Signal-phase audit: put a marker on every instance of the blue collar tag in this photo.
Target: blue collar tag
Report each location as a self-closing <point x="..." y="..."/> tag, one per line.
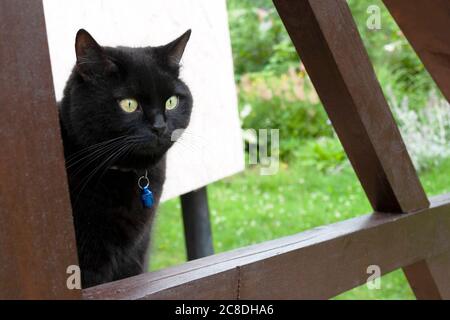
<point x="146" y="194"/>
<point x="147" y="197"/>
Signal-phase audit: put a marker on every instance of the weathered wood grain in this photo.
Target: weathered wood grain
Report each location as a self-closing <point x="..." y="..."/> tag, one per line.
<point x="37" y="241"/>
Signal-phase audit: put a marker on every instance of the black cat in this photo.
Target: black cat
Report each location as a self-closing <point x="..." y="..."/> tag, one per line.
<point x="120" y="109"/>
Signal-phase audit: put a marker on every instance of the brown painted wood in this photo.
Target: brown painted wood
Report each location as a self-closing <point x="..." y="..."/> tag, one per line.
<point x="316" y="264"/>
<point x="327" y="41"/>
<point x="430" y="278"/>
<point x="426" y="25"/>
<point x="37" y="241"/>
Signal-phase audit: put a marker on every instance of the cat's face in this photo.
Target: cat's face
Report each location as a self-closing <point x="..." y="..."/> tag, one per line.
<point x="133" y="95"/>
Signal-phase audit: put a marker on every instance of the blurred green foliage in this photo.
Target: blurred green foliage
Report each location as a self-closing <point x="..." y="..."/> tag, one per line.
<point x="395" y="62"/>
<point x="266" y="65"/>
<point x="258" y="38"/>
<point x="261" y="43"/>
<point x="324" y="154"/>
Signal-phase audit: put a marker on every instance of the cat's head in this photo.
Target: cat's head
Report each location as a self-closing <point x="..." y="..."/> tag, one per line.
<point x="132" y="97"/>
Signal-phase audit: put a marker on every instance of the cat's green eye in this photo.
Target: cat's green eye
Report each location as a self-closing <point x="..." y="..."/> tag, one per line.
<point x="128" y="105"/>
<point x="172" y="103"/>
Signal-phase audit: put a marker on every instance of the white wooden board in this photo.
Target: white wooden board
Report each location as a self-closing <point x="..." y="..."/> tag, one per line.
<point x="211" y="148"/>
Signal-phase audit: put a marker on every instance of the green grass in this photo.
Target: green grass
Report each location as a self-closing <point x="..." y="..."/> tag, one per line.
<point x="249" y="208"/>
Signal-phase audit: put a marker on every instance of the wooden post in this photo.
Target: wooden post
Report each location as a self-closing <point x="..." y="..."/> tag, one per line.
<point x="37" y="240"/>
<point x="327" y="40"/>
<point x="197" y="227"/>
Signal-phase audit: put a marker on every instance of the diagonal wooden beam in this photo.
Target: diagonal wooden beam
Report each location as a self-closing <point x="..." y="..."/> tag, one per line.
<point x="430" y="278"/>
<point x="37" y="239"/>
<point x="327" y="41"/>
<point x="426" y="25"/>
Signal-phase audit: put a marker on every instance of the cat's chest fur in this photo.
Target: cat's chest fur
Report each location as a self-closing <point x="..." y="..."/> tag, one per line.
<point x="111" y="224"/>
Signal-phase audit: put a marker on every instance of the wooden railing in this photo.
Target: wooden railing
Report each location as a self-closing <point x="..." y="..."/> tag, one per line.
<point x="37" y="241"/>
<point x="316" y="264"/>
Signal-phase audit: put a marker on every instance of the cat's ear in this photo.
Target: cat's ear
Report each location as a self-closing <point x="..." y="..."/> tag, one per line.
<point x="91" y="59"/>
<point x="175" y="49"/>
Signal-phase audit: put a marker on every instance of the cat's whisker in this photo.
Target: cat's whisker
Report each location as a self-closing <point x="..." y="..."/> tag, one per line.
<point x="124" y="155"/>
<point x="95" y="145"/>
<point x="131" y="142"/>
<point x="105" y="162"/>
<point x="93" y="158"/>
<point x="188" y="145"/>
<point x="79" y="153"/>
<point x="193" y="139"/>
<point x="192" y="134"/>
<point x="94" y="155"/>
<point x="102" y="151"/>
<point x="183" y="150"/>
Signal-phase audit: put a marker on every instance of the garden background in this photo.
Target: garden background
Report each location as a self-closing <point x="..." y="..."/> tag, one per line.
<point x="315" y="184"/>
